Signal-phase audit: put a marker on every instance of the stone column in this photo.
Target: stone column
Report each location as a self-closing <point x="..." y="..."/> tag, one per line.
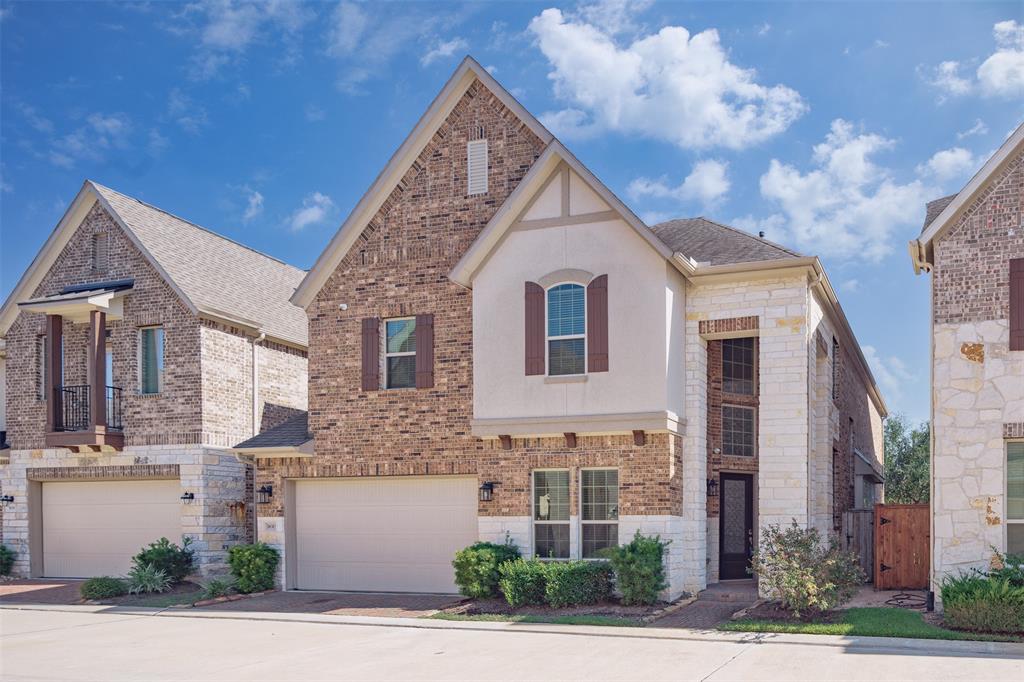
<point x="695" y="460"/>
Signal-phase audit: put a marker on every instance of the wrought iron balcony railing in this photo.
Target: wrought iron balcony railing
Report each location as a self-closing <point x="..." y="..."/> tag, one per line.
<point x="73" y="414"/>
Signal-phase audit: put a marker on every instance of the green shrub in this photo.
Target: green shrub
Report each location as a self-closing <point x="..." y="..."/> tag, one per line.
<point x="476" y="568"/>
<point x="175" y="562"/>
<point x="523" y="581"/>
<point x="253" y="566"/>
<point x="803" y="573"/>
<point x="639" y="569"/>
<point x="104" y="587"/>
<point x="217" y="588"/>
<point x="1009" y="567"/>
<point x="983" y="603"/>
<point x="7" y="556"/>
<point x="570" y="583"/>
<point x="147" y="578"/>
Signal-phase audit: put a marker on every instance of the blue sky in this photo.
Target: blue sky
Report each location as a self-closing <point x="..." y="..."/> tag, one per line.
<point x="826" y="125"/>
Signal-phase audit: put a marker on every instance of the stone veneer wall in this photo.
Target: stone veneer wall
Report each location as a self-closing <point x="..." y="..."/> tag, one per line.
<point x="977" y="382"/>
<point x="215" y="521"/>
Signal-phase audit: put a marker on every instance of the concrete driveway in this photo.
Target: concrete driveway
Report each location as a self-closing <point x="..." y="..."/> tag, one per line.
<point x="120" y="644"/>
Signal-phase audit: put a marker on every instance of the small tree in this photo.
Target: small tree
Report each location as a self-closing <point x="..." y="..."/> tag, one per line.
<point x="802" y="572"/>
<point x="906" y="461"/>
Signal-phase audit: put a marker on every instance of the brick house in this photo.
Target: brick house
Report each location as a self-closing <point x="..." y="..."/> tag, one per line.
<point x="500" y="349"/>
<point x="139" y="348"/>
<point x="972" y="244"/>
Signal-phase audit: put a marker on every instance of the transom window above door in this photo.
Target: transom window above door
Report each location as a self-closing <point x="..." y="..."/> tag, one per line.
<point x="400" y="353"/>
<point x="566" y="327"/>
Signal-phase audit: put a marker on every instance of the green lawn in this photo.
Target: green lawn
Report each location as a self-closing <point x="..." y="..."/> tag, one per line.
<point x="558" y="620"/>
<point x="865" y="622"/>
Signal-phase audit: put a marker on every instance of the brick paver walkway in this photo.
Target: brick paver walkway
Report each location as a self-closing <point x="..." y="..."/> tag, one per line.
<point x="713" y="605"/>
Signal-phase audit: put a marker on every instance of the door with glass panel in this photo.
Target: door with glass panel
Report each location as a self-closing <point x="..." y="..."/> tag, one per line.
<point x="736" y="525"/>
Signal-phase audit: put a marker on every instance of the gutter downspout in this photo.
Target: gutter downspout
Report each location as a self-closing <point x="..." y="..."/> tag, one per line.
<point x="256" y="383"/>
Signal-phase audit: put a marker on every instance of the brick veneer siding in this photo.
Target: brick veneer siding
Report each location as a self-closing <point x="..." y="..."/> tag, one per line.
<point x="399" y="267"/>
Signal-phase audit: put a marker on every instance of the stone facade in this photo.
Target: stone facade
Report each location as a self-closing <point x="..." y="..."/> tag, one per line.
<point x="978" y="383"/>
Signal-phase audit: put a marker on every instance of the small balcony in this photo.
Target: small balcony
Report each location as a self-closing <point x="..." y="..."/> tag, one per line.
<point x="78" y="424"/>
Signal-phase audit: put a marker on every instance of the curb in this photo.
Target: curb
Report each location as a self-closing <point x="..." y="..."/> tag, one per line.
<point x="671" y="608"/>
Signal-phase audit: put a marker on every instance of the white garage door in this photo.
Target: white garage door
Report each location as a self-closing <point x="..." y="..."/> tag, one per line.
<point x="94" y="528"/>
<point x="382" y="534"/>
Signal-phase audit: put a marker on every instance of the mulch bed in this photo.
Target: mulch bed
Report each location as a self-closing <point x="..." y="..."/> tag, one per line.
<point x="475" y="607"/>
<point x="189" y="592"/>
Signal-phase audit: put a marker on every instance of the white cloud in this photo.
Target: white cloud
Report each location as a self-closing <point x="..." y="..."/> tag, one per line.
<point x="764" y="29"/>
<point x="33" y="118"/>
<point x="949" y="164"/>
<point x="846" y="206"/>
<point x="315" y="113"/>
<point x="1000" y="75"/>
<point x="191" y="117"/>
<point x="850" y="285"/>
<point x="442" y="50"/>
<point x="881" y="44"/>
<point x="253" y="203"/>
<point x="706" y="183"/>
<point x="890" y="372"/>
<point x="315" y="209"/>
<point x="90" y="142"/>
<point x="669" y="86"/>
<point x="348" y="23"/>
<point x="613" y="16"/>
<point x="157" y="142"/>
<point x="979" y="128"/>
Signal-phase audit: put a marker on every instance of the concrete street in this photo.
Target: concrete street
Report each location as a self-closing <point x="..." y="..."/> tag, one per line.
<point x="96" y="643"/>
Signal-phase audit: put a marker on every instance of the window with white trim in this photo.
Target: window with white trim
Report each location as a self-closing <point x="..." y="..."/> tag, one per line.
<point x="476" y="167"/>
<point x="151" y="360"/>
<point x="400" y="353"/>
<point x="599" y="518"/>
<point x="1015" y="497"/>
<point x="551" y="514"/>
<point x="738" y="429"/>
<point x="566" y="330"/>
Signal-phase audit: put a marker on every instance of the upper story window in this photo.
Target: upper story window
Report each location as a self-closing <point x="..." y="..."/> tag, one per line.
<point x="100" y="252"/>
<point x="151" y="360"/>
<point x="566" y="321"/>
<point x="400" y="353"/>
<point x="738" y="366"/>
<point x="476" y="167"/>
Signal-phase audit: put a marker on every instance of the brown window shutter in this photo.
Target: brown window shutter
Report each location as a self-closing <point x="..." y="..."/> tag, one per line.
<point x="534" y="328"/>
<point x="424" y="351"/>
<point x="1017" y="304"/>
<point x="597" y="325"/>
<point x="371" y="353"/>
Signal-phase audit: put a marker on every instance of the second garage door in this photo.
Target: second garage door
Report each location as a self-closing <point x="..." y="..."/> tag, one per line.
<point x="382" y="534"/>
<point x="94" y="528"/>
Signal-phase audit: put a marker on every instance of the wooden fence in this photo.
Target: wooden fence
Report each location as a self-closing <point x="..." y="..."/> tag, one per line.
<point x="858" y="535"/>
<point x="902" y="546"/>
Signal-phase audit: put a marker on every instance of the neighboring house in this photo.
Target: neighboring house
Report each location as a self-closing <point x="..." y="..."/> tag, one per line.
<point x="500" y="349"/>
<point x="973" y="246"/>
<point x="139" y="348"/>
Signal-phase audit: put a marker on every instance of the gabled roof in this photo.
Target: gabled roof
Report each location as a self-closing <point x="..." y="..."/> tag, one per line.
<point x="706" y="241"/>
<point x="292" y="432"/>
<point x="467" y="72"/>
<point x="934" y="208"/>
<point x="213" y="275"/>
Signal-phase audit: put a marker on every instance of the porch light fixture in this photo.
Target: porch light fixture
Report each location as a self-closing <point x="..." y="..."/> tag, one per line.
<point x="487" y="490"/>
<point x="187" y="498"/>
<point x="712" y="488"/>
<point x="264" y="494"/>
<point x="6" y="499"/>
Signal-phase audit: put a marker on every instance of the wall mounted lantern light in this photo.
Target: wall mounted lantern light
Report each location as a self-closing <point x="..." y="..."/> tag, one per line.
<point x="712" y="488"/>
<point x="487" y="491"/>
<point x="6" y="499"/>
<point x="264" y="494"/>
<point x="187" y="498"/>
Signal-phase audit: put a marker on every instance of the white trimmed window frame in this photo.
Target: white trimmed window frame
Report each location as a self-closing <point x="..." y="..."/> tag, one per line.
<point x="564" y="337"/>
<point x="403" y="354"/>
<point x="583" y="522"/>
<point x="1006" y="495"/>
<point x="534" y="521"/>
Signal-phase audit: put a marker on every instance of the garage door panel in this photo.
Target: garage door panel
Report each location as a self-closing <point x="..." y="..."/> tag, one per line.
<point x="95" y="527"/>
<point x="383" y="534"/>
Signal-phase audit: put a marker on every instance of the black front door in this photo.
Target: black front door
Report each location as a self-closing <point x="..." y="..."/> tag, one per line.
<point x="736" y="525"/>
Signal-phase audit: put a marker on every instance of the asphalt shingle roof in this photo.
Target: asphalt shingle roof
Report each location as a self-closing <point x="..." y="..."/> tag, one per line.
<point x="706" y="241"/>
<point x="292" y="432"/>
<point x="934" y="208"/>
<point x="214" y="272"/>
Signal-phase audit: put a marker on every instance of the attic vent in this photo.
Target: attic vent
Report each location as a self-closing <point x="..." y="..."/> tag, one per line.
<point x="100" y="252"/>
<point x="476" y="154"/>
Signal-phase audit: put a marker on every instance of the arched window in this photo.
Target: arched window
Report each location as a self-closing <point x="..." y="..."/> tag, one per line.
<point x="566" y="326"/>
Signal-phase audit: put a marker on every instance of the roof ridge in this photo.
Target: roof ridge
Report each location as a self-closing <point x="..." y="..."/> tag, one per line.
<point x="751" y="236"/>
<point x="197" y="226"/>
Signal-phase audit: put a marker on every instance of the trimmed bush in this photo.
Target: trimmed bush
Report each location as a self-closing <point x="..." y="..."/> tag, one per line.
<point x="7" y="556"/>
<point x="175" y="562"/>
<point x="983" y="603"/>
<point x="217" y="588"/>
<point x="523" y="581"/>
<point x="476" y="568"/>
<point x="104" y="587"/>
<point x="570" y="583"/>
<point x="148" y="578"/>
<point x="639" y="569"/>
<point x="253" y="566"/>
<point x="803" y="573"/>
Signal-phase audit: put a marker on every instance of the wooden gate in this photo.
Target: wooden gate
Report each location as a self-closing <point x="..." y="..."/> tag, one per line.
<point x="858" y="536"/>
<point x="902" y="542"/>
